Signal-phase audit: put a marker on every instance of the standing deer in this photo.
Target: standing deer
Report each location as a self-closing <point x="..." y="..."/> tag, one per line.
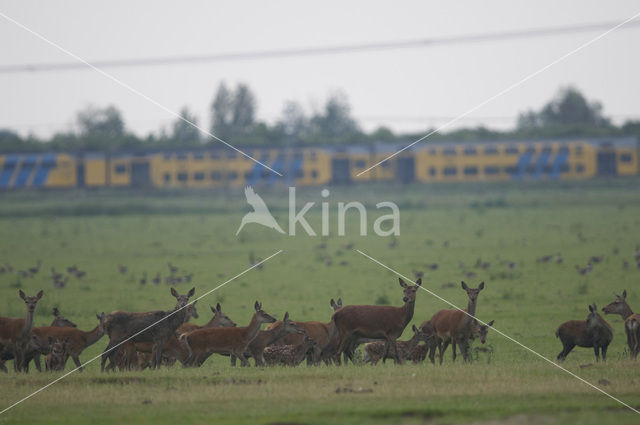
<point x="289" y="355"/>
<point x="631" y="321"/>
<point x="453" y="326"/>
<point x="16" y="333"/>
<point x="376" y="321"/>
<point x="57" y="358"/>
<point x="202" y="343"/>
<point x="78" y="340"/>
<point x="156" y="326"/>
<point x="373" y="351"/>
<point x="269" y="336"/>
<point x="594" y="332"/>
<point x="35" y="347"/>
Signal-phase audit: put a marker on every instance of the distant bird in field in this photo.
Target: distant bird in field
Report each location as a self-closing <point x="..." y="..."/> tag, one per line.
<point x="596" y="259"/>
<point x="156" y="280"/>
<point x="172" y="269"/>
<point x="260" y="213"/>
<point x="393" y="243"/>
<point x="35" y="269"/>
<point x="625" y="264"/>
<point x="558" y="258"/>
<point x="418" y="274"/>
<point x="143" y="279"/>
<point x="122" y="269"/>
<point x="586" y="270"/>
<point x="636" y="253"/>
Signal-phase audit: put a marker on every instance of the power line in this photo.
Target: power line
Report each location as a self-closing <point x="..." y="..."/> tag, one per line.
<point x="321" y="50"/>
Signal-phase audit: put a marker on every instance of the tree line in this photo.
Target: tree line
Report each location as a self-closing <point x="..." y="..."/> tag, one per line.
<point x="233" y="119"/>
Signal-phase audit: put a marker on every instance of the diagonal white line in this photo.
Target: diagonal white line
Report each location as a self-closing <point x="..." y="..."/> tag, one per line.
<point x="505" y="335"/>
<point x="504" y="91"/>
<point x="136" y="334"/>
<point x="135" y="91"/>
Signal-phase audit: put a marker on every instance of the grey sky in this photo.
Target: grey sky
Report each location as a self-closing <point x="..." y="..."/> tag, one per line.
<point x="387" y="87"/>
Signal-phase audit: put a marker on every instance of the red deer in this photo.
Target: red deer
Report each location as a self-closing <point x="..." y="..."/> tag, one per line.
<point x="373" y="351"/>
<point x="156" y="326"/>
<point x="219" y="320"/>
<point x="60" y="320"/>
<point x="78" y="340"/>
<point x="453" y="326"/>
<point x="268" y="337"/>
<point x="289" y="355"/>
<point x="376" y="322"/>
<point x="594" y="332"/>
<point x="631" y="321"/>
<point x="57" y="358"/>
<point x="202" y="343"/>
<point x="16" y="333"/>
<point x="35" y="347"/>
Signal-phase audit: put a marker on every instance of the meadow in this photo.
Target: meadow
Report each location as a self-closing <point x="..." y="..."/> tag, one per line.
<point x="453" y="226"/>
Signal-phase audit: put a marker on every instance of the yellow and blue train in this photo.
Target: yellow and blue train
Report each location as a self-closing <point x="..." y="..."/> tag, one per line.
<point x="314" y="166"/>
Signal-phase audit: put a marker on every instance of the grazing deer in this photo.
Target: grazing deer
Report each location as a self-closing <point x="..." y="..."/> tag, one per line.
<point x="202" y="343"/>
<point x="373" y="351"/>
<point x="268" y="337"/>
<point x="289" y="355"/>
<point x="35" y="347"/>
<point x="60" y="320"/>
<point x="156" y="326"/>
<point x="376" y="321"/>
<point x="453" y="326"/>
<point x="57" y="358"/>
<point x="594" y="332"/>
<point x="17" y="332"/>
<point x="631" y="321"/>
<point x="78" y="340"/>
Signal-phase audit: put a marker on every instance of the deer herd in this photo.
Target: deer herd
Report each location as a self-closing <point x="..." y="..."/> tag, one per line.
<point x="155" y="338"/>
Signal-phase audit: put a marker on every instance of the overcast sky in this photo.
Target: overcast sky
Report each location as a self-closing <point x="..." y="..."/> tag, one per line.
<point x="405" y="89"/>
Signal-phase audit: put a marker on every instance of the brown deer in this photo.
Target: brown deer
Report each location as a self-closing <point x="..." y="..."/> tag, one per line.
<point x="594" y="332"/>
<point x="219" y="320"/>
<point x="16" y="333"/>
<point x="35" y="347"/>
<point x="268" y="337"/>
<point x="57" y="358"/>
<point x="78" y="340"/>
<point x="60" y="320"/>
<point x="156" y="326"/>
<point x="202" y="343"/>
<point x="373" y="351"/>
<point x="289" y="355"/>
<point x="376" y="321"/>
<point x="631" y="321"/>
<point x="453" y="325"/>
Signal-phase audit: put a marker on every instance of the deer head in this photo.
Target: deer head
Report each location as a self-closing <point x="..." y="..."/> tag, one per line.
<point x="420" y="334"/>
<point x="261" y="315"/>
<point x="618" y="306"/>
<point x="221" y="319"/>
<point x="30" y="301"/>
<point x="473" y="292"/>
<point x="290" y="327"/>
<point x="481" y="331"/>
<point x="409" y="295"/>
<point x="182" y="299"/>
<point x="593" y="319"/>
<point x="192" y="311"/>
<point x="335" y="305"/>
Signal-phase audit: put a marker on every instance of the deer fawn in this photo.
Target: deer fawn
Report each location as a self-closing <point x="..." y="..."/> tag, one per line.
<point x="57" y="357"/>
<point x="289" y="355"/>
<point x="16" y="333"/>
<point x="156" y="326"/>
<point x="631" y="321"/>
<point x="376" y="322"/>
<point x="373" y="351"/>
<point x="453" y="326"/>
<point x="594" y="332"/>
<point x="202" y="343"/>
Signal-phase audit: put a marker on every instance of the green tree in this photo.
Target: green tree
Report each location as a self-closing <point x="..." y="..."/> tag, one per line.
<point x="183" y="133"/>
<point x="233" y="112"/>
<point x="335" y="123"/>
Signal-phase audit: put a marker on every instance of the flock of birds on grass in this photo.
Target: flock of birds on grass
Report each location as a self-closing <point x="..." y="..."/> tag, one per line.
<point x="152" y="339"/>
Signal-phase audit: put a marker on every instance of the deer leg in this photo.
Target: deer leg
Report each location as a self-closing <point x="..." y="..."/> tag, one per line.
<point x="567" y="347"/>
<point x="106" y="354"/>
<point x="243" y="360"/>
<point x="453" y="347"/>
<point x="442" y="346"/>
<point x="157" y="361"/>
<point x="385" y="352"/>
<point x="76" y="360"/>
<point x="232" y="360"/>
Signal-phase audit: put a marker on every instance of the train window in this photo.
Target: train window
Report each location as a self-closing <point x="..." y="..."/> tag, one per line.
<point x="231" y="155"/>
<point x="470" y="170"/>
<point x="313" y="155"/>
<point x="215" y="155"/>
<point x="625" y="157"/>
<point x="247" y="175"/>
<point x="216" y="175"/>
<point x="511" y="150"/>
<point x="198" y="156"/>
<point x="579" y="168"/>
<point x="182" y="156"/>
<point x="432" y="171"/>
<point x="167" y="156"/>
<point x="183" y="177"/>
<point x="530" y="169"/>
<point x="491" y="170"/>
<point x="314" y="174"/>
<point x="546" y="150"/>
<point x="386" y="164"/>
<point x="530" y="149"/>
<point x="470" y="151"/>
<point x="547" y="169"/>
<point x="511" y="169"/>
<point x="578" y="150"/>
<point x="265" y="174"/>
<point x="198" y="176"/>
<point x="299" y="173"/>
<point x="450" y="171"/>
<point x="167" y="177"/>
<point x="564" y="168"/>
<point x="449" y="151"/>
<point x="432" y="152"/>
<point x="297" y="157"/>
<point x="120" y="168"/>
<point x="360" y="163"/>
<point x="563" y="150"/>
<point x="490" y="150"/>
<point x="233" y="175"/>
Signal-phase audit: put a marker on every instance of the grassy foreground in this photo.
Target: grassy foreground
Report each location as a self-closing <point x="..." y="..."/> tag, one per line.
<point x="98" y="231"/>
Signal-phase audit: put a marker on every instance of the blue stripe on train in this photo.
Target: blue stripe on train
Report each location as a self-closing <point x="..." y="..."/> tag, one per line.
<point x="278" y="166"/>
<point x="541" y="162"/>
<point x="42" y="172"/>
<point x="25" y="171"/>
<point x="558" y="162"/>
<point x="294" y="167"/>
<point x="523" y="162"/>
<point x="8" y="169"/>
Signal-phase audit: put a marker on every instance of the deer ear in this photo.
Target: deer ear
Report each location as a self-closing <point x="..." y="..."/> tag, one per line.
<point x="481" y="287"/>
<point x="402" y="283"/>
<point x="590" y="308"/>
<point x="624" y="294"/>
<point x="415" y="330"/>
<point x="218" y="307"/>
<point x="22" y="295"/>
<point x="490" y="323"/>
<point x="55" y="311"/>
<point x="40" y="294"/>
<point x="256" y="306"/>
<point x="419" y="282"/>
<point x="191" y="292"/>
<point x="339" y="302"/>
<point x="174" y="293"/>
<point x="464" y="285"/>
<point x="332" y="303"/>
<point x="286" y="317"/>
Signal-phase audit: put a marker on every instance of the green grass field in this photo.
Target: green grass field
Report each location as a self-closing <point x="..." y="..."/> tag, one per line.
<point x="439" y="224"/>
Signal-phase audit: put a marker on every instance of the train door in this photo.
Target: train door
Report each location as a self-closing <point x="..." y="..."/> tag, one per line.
<point x="140" y="174"/>
<point x="607" y="163"/>
<point x="406" y="169"/>
<point x="80" y="171"/>
<point x="340" y="171"/>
